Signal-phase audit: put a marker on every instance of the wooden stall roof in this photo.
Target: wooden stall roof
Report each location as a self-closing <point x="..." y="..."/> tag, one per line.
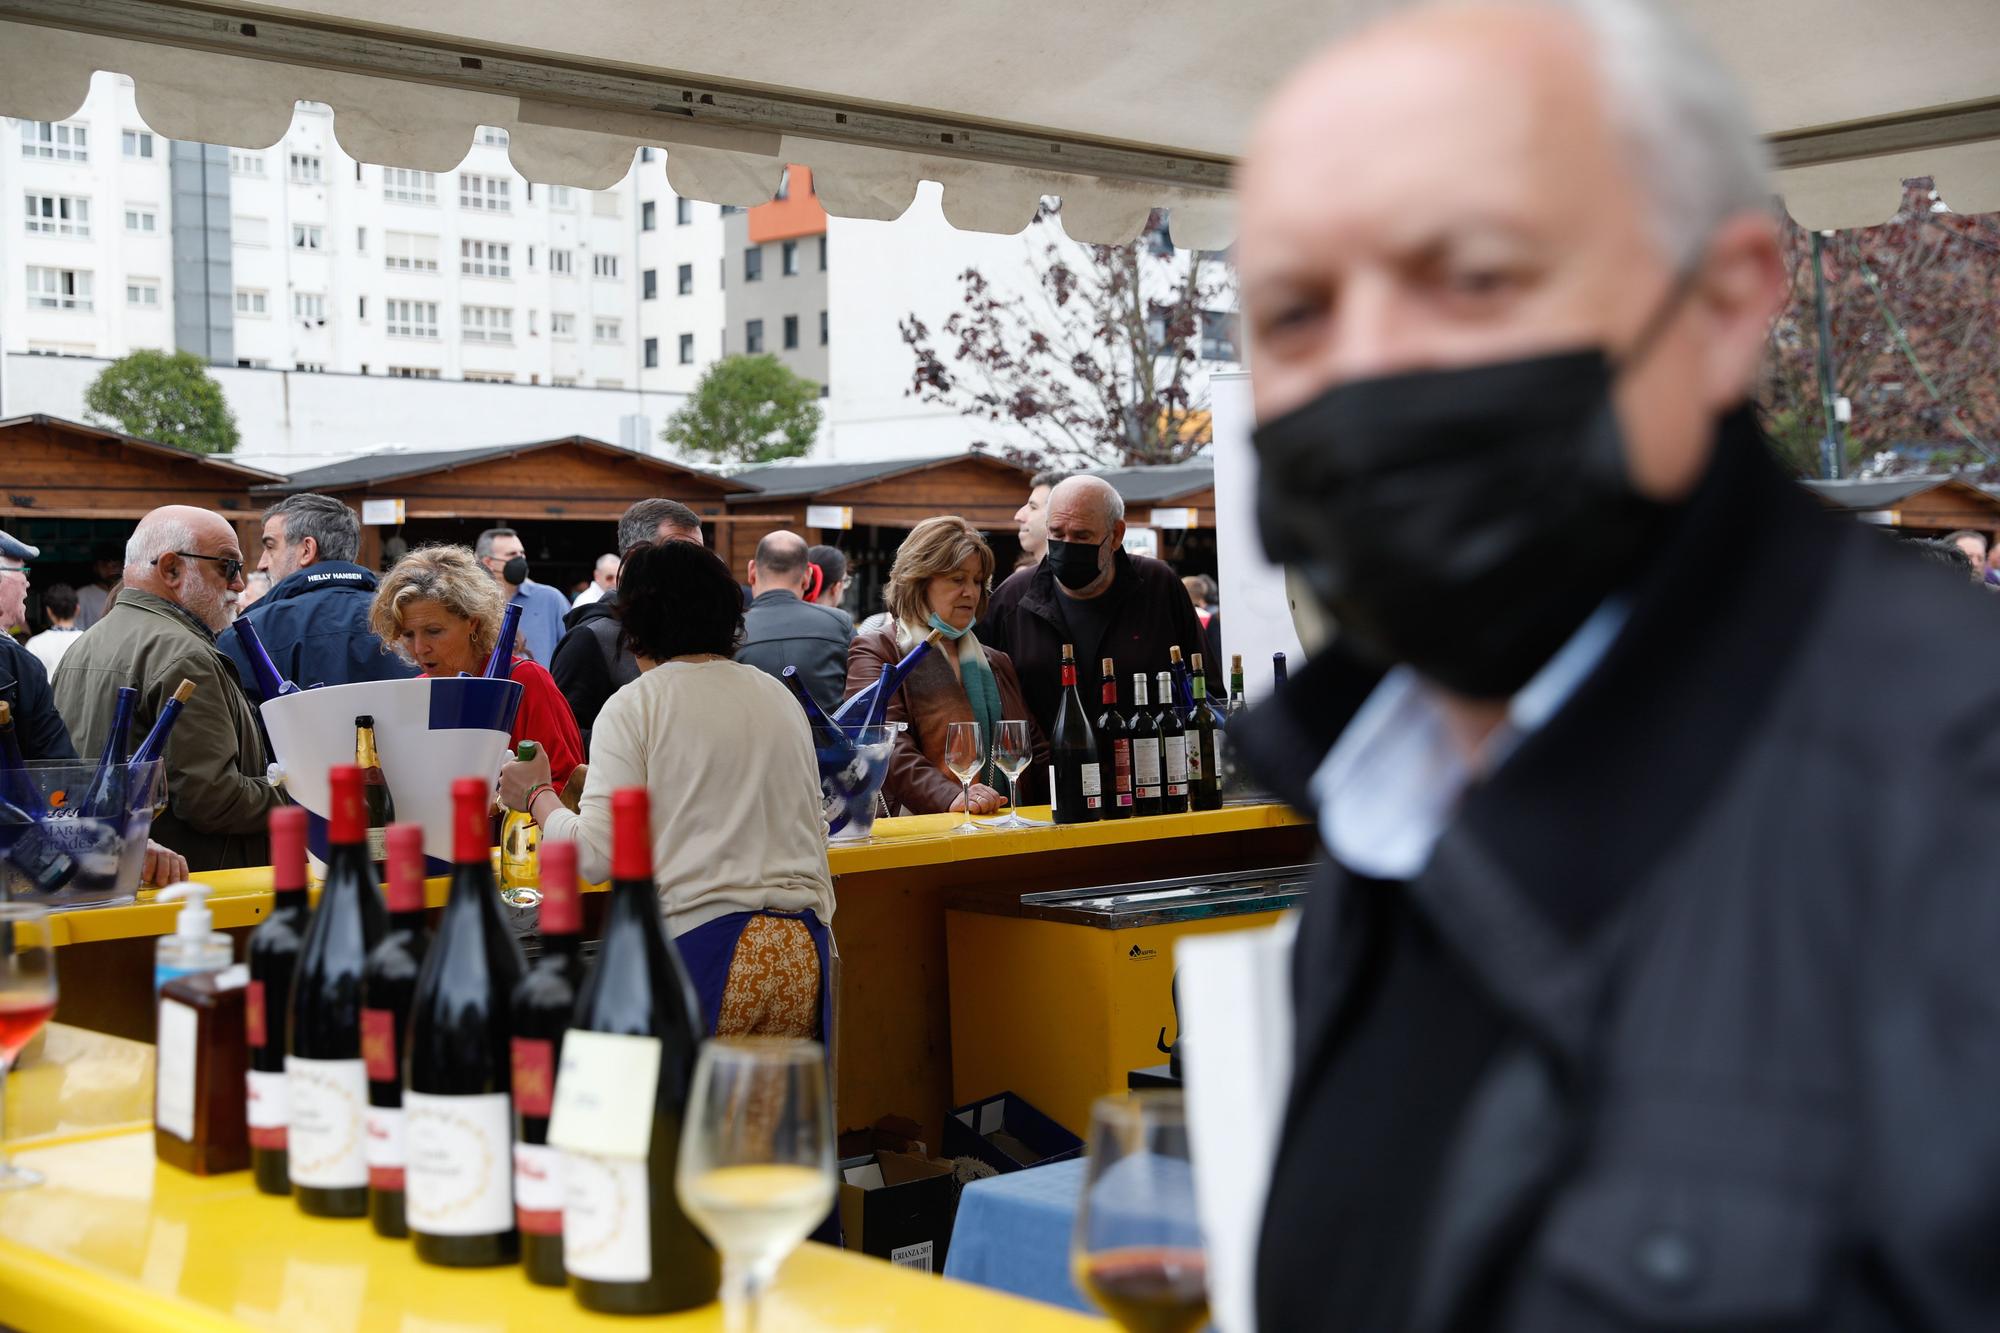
<point x="1189" y="485"/>
<point x="55" y="468"/>
<point x="1921" y="503"/>
<point x="891" y="494"/>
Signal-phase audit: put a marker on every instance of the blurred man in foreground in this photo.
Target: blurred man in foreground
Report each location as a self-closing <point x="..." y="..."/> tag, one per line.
<point x="1651" y="980"/>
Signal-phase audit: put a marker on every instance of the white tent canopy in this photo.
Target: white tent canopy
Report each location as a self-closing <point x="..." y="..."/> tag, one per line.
<point x="1115" y="106"/>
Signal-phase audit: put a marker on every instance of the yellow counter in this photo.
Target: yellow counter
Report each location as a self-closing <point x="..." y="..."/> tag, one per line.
<point x="115" y="1241"/>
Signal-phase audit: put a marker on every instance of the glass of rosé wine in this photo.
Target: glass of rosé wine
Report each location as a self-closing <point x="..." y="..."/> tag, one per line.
<point x="27" y="998"/>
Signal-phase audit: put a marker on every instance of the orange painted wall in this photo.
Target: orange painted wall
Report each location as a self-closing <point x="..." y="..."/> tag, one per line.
<point x="790" y="218"/>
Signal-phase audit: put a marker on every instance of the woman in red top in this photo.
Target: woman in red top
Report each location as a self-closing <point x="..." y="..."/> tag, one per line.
<point x="442" y="610"/>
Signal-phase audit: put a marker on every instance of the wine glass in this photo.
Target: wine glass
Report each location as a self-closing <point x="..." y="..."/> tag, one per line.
<point x="756" y="1161"/>
<point x="1137" y="1248"/>
<point x="27" y="998"/>
<point x="964" y="756"/>
<point x="1012" y="750"/>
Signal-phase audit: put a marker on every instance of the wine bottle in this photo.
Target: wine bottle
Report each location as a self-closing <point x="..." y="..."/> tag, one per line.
<point x="1145" y="735"/>
<point x="500" y="666"/>
<point x="1277" y="671"/>
<point x="628" y="1247"/>
<point x="375" y="797"/>
<point x="1114" y="749"/>
<point x="520" y="844"/>
<point x="541" y="1007"/>
<point x="885" y="693"/>
<point x="1075" y="788"/>
<point x="105" y="797"/>
<point x="155" y="743"/>
<point x="1204" y="748"/>
<point x="273" y="954"/>
<point x="387" y="988"/>
<point x="1173" y="750"/>
<point x="270" y="684"/>
<point x="830" y="739"/>
<point x="16" y="787"/>
<point x="856" y="710"/>
<point x="1236" y="703"/>
<point x="1183" y="691"/>
<point x="459" y="1185"/>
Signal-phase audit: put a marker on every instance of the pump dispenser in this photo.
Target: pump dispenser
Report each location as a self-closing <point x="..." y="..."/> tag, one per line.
<point x="195" y="945"/>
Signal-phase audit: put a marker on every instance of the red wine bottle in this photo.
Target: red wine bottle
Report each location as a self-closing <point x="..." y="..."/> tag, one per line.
<point x="1173" y="750"/>
<point x="1145" y="733"/>
<point x="1075" y="788"/>
<point x="326" y="1081"/>
<point x="647" y="1259"/>
<point x="1114" y="749"/>
<point x="542" y="1006"/>
<point x="1203" y="750"/>
<point x="387" y="988"/>
<point x="273" y="955"/>
<point x="458" y="1117"/>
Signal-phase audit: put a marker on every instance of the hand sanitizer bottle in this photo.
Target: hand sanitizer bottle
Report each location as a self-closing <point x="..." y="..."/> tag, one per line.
<point x="195" y="945"/>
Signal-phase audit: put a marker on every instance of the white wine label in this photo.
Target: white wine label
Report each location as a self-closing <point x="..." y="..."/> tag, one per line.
<point x="264" y="1094"/>
<point x="378" y="844"/>
<point x="606" y="1086"/>
<point x="538" y="1195"/>
<point x="328" y="1143"/>
<point x="1146" y="767"/>
<point x="1093" y="788"/>
<point x="1175" y="748"/>
<point x="607" y="1227"/>
<point x="916" y="1256"/>
<point x="173" y="1076"/>
<point x="387" y="1151"/>
<point x="460" y="1178"/>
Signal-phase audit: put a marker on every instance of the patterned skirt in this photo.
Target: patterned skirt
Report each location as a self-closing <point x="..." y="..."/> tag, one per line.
<point x="760" y="974"/>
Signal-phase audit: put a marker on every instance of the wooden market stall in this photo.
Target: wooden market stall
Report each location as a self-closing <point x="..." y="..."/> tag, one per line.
<point x="1922" y="506"/>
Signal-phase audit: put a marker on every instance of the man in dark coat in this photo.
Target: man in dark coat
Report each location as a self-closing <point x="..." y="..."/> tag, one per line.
<point x="314" y="621"/>
<point x="782" y="629"/>
<point x="1089" y="592"/>
<point x="1650" y="980"/>
<point x="24" y="683"/>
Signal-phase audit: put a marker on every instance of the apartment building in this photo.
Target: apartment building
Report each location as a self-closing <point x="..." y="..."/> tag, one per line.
<point x="775" y="260"/>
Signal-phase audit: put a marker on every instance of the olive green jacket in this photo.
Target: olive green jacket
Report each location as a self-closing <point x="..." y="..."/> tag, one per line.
<point x="218" y="799"/>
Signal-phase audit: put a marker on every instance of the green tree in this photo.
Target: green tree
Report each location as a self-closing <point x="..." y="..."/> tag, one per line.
<point x="747" y="409"/>
<point x="165" y="396"/>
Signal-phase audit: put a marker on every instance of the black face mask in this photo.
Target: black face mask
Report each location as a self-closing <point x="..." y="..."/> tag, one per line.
<point x="515" y="571"/>
<point x="1074" y="563"/>
<point x="1467" y="521"/>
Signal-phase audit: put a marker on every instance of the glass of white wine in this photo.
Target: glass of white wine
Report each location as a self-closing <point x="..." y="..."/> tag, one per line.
<point x="1013" y="748"/>
<point x="756" y="1162"/>
<point x="964" y="755"/>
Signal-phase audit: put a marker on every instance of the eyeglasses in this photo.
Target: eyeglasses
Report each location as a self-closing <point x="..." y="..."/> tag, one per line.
<point x="232" y="568"/>
<point x="22" y="570"/>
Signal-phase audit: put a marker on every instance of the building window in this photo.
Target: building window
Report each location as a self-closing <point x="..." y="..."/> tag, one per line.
<point x="409" y="252"/>
<point x="361" y="307"/>
<point x="791" y="257"/>
<point x="687" y="349"/>
<point x="252" y="301"/>
<point x="784" y="184"/>
<point x="652" y="353"/>
<point x="683" y="212"/>
<point x="649" y="284"/>
<point x="559" y="262"/>
<point x="247" y="363"/>
<point x="56" y="140"/>
<point x="607" y="331"/>
<point x="142" y="291"/>
<point x="403" y="186"/>
<point x="486" y="324"/>
<point x="138" y="144"/>
<point x="608" y="384"/>
<point x="310" y="367"/>
<point x="411" y="373"/>
<point x="491" y="194"/>
<point x="562" y="326"/>
<point x="563" y="381"/>
<point x="822" y="254"/>
<point x="753" y="264"/>
<point x="753" y="336"/>
<point x="605" y="204"/>
<point x="246" y="164"/>
<point x="492" y="137"/>
<point x="604" y="266"/>
<point x="684" y="279"/>
<point x="791" y="332"/>
<point x="361" y="240"/>
<point x="143" y="220"/>
<point x="489" y="377"/>
<point x="306" y="169"/>
<point x="309" y="306"/>
<point x="485" y="259"/>
<point x="822" y="328"/>
<point x="645" y="155"/>
<point x="59" y="214"/>
<point x="1218" y="335"/>
<point x="648" y="214"/>
<point x="307" y="237"/>
<point x="250" y="231"/>
<point x="412" y="319"/>
<point x="561" y="196"/>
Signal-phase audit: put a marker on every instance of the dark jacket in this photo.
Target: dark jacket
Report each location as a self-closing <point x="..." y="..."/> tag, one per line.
<point x="590" y="663"/>
<point x="24" y="688"/>
<point x="1150" y="613"/>
<point x="1735" y="904"/>
<point x="314" y="624"/>
<point x="779" y="631"/>
<point x="218" y="798"/>
<point x="930" y="700"/>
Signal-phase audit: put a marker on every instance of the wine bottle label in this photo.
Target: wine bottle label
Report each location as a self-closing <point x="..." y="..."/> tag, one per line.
<point x="387" y="1155"/>
<point x="1146" y="768"/>
<point x="460" y="1177"/>
<point x="607" y="1225"/>
<point x="378" y="844"/>
<point x="1121" y="764"/>
<point x="173" y="1074"/>
<point x="606" y="1089"/>
<point x="1174" y="753"/>
<point x="1093" y="788"/>
<point x="328" y="1141"/>
<point x="538" y="1189"/>
<point x="1055" y="790"/>
<point x="534" y="1063"/>
<point x="265" y="1107"/>
<point x="253" y="1015"/>
<point x="378" y="1045"/>
<point x="1192" y="748"/>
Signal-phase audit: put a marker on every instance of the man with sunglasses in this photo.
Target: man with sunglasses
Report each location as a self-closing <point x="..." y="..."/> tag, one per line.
<point x="183" y="574"/>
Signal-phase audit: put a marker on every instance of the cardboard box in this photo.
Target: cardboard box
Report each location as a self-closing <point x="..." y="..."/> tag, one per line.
<point x="1007" y="1134"/>
<point x="898" y="1207"/>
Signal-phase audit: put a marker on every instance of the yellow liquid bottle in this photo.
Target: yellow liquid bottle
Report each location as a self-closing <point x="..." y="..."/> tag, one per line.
<point x="520" y="848"/>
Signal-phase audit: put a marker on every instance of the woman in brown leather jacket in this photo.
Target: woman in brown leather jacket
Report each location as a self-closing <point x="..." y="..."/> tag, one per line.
<point x="939" y="582"/>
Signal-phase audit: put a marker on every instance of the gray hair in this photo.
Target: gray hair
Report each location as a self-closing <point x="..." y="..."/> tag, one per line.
<point x="641" y="523"/>
<point x="151" y="540"/>
<point x="484" y="546"/>
<point x="334" y="528"/>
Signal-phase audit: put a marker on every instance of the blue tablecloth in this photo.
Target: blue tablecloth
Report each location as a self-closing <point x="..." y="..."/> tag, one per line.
<point x="1013" y="1233"/>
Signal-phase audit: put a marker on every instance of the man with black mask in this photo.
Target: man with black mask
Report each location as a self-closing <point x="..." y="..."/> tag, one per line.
<point x="1089" y="592"/>
<point x="505" y="557"/>
<point x="1650" y="980"/>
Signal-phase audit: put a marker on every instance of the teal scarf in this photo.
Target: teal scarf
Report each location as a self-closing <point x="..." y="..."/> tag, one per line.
<point x="981" y="690"/>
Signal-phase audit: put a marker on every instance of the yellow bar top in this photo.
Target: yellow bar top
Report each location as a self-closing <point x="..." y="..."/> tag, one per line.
<point x="242" y="897"/>
<point x="117" y="1241"/>
<point x="71" y="1079"/>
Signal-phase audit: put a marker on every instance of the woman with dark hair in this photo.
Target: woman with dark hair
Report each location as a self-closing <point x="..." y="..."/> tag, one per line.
<point x="739" y="849"/>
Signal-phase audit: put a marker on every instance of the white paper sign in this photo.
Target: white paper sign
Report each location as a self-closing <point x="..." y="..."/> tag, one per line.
<point x="829" y="516"/>
<point x="1142" y="541"/>
<point x="1180" y="519"/>
<point x="173" y="1078"/>
<point x="606" y="1087"/>
<point x="381" y="512"/>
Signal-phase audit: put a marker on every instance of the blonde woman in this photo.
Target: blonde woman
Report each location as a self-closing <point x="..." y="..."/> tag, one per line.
<point x="939" y="582"/>
<point x="439" y="608"/>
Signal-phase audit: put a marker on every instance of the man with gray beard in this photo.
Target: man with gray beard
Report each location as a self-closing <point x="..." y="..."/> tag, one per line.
<point x="183" y="575"/>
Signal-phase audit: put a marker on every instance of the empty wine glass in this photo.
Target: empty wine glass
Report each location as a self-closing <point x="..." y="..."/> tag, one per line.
<point x="27" y="998"/>
<point x="1137" y="1249"/>
<point x="964" y="756"/>
<point x="1012" y="750"/>
<point x="756" y="1160"/>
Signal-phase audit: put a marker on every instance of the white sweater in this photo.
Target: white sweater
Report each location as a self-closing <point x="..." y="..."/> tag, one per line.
<point x="727" y="755"/>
